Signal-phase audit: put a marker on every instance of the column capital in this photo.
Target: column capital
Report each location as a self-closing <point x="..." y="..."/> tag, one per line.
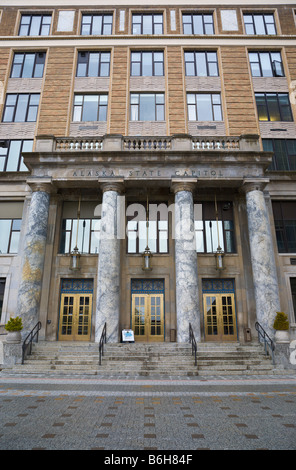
<point x="114" y="184"/>
<point x="41" y="184"/>
<point x="253" y="185"/>
<point x="188" y="184"/>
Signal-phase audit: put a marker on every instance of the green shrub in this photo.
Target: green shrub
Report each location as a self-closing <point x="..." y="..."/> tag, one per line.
<point x="14" y="324"/>
<point x="281" y="321"/>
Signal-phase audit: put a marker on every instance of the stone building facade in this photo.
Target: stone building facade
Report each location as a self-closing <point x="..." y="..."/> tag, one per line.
<point x="169" y="127"/>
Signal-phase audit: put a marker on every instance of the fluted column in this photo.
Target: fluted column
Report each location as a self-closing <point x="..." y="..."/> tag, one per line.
<point x="187" y="303"/>
<point x="108" y="280"/>
<point x="262" y="257"/>
<point x="33" y="256"/>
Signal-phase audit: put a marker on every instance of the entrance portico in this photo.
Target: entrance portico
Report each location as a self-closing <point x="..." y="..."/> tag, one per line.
<point x="178" y="173"/>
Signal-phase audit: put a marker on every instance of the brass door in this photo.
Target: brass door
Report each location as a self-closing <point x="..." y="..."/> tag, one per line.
<point x="219" y="317"/>
<point x="148" y="317"/>
<point x="75" y="317"/>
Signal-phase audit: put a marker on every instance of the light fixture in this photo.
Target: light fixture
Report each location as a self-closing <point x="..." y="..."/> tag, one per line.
<point x="147" y="255"/>
<point x="219" y="254"/>
<point x="75" y="254"/>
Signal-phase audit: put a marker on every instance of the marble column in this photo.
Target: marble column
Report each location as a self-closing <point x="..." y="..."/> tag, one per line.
<point x="33" y="256"/>
<point x="262" y="257"/>
<point x="108" y="280"/>
<point x="187" y="298"/>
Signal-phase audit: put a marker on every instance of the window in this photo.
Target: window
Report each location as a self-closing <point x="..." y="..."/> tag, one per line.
<point x="204" y="107"/>
<point x="87" y="233"/>
<point x="266" y="64"/>
<point x="273" y="107"/>
<point x="285" y="225"/>
<point x="93" y="64"/>
<point x="28" y="65"/>
<point x="11" y="154"/>
<point x="147" y="107"/>
<point x="207" y="230"/>
<point x="259" y="24"/>
<point x="147" y="23"/>
<point x="96" y="24"/>
<point x="147" y="64"/>
<point x="35" y="25"/>
<point x="21" y="107"/>
<point x="201" y="64"/>
<point x="284" y="157"/>
<point x="198" y="23"/>
<point x="90" y="108"/>
<point x="157" y="229"/>
<point x="10" y="234"/>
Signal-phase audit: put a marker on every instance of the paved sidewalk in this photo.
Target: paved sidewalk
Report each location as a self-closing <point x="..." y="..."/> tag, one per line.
<point x="153" y="414"/>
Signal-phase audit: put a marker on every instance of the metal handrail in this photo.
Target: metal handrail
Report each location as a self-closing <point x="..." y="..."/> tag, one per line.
<point x="192" y="340"/>
<point x="266" y="339"/>
<point x="103" y="340"/>
<point x="29" y="340"/>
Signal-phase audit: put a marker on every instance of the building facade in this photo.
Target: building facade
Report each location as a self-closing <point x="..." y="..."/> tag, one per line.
<point x="147" y="168"/>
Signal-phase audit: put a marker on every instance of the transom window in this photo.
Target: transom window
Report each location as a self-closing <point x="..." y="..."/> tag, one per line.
<point x="11" y="154"/>
<point x="284" y="153"/>
<point x="201" y="64"/>
<point x="273" y="107"/>
<point x="208" y="233"/>
<point x="266" y="64"/>
<point x="35" y="25"/>
<point x="28" y="65"/>
<point x="147" y="63"/>
<point x="157" y="228"/>
<point x="147" y="23"/>
<point x="21" y="107"/>
<point x="284" y="213"/>
<point x="96" y="24"/>
<point x="204" y="107"/>
<point x="256" y="23"/>
<point x="90" y="108"/>
<point x="147" y="107"/>
<point x="198" y="23"/>
<point x="93" y="64"/>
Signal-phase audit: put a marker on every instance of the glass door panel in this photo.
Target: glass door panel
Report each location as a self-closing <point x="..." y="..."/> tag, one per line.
<point x="219" y="317"/>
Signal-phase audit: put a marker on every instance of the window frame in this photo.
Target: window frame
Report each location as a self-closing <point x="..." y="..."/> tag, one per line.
<point x="140" y="62"/>
<point x="202" y="15"/>
<point x="272" y="67"/>
<point x="32" y="15"/>
<point x="99" y="108"/>
<point x="287" y="157"/>
<point x="20" y="159"/>
<point x="280" y="107"/>
<point x="71" y="242"/>
<point x="252" y="14"/>
<point x="154" y="23"/>
<point x="29" y="107"/>
<point x="137" y="106"/>
<point x="209" y="207"/>
<point x="103" y="24"/>
<point x="207" y="63"/>
<point x="213" y="105"/>
<point x="24" y="54"/>
<point x="88" y="53"/>
<point x="10" y="236"/>
<point x="281" y="224"/>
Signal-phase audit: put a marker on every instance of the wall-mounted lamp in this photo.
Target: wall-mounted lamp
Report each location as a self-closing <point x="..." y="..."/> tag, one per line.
<point x="75" y="254"/>
<point x="147" y="255"/>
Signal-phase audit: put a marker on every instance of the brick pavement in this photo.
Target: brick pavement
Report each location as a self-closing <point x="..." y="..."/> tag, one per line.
<point x="152" y="414"/>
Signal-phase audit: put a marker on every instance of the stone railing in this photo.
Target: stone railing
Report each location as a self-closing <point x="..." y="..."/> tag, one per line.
<point x="182" y="142"/>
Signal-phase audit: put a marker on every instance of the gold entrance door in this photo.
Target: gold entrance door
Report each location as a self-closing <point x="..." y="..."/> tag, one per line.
<point x="75" y="317"/>
<point x="219" y="316"/>
<point x="148" y="317"/>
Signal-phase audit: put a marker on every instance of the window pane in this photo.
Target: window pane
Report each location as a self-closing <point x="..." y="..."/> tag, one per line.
<point x="197" y="24"/>
<point x="97" y="25"/>
<point x="147" y="24"/>
<point x="93" y="68"/>
<point x="90" y="108"/>
<point x="201" y="66"/>
<point x="147" y="107"/>
<point x="21" y="108"/>
<point x="147" y="64"/>
<point x="261" y="107"/>
<point x="13" y="156"/>
<point x="14" y="242"/>
<point x="204" y="107"/>
<point x="35" y="25"/>
<point x="5" y="226"/>
<point x="273" y="107"/>
<point x="259" y="24"/>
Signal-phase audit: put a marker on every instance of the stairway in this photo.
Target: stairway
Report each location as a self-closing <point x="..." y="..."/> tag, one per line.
<point x="145" y="359"/>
